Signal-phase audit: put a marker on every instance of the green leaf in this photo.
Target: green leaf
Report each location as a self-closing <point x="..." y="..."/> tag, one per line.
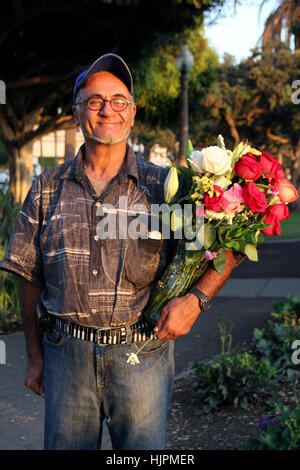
<point x="219" y="262"/>
<point x="237" y="152"/>
<point x="233" y="245"/>
<point x="187" y="173"/>
<point x="176" y="220"/>
<point x="209" y="235"/>
<point x="188" y="150"/>
<point x="192" y="256"/>
<point x="258" y="334"/>
<point x="251" y="252"/>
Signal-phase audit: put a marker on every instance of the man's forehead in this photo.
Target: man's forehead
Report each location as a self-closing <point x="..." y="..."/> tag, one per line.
<point x="103" y="82"/>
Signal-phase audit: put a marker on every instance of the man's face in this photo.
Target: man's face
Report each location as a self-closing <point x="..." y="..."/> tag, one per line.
<point x="105" y="126"/>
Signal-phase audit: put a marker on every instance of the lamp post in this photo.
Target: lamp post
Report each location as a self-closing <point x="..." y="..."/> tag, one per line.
<point x="184" y="62"/>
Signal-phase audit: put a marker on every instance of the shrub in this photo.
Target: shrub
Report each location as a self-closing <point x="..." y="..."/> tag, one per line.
<point x="279" y="430"/>
<point x="10" y="285"/>
<point x="275" y="344"/>
<point x="234" y="380"/>
<point x="287" y="311"/>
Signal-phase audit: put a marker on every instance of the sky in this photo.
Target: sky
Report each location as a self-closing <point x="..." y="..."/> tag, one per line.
<point x="238" y="32"/>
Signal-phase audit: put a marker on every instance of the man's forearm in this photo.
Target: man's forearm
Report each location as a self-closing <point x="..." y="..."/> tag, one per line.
<point x="212" y="281"/>
<point x="30" y="298"/>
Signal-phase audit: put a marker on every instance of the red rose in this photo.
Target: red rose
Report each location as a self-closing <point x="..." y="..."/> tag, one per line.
<point x="280" y="210"/>
<point x="273" y="216"/>
<point x="270" y="166"/>
<point x="275" y="228"/>
<point x="213" y="203"/>
<point x="254" y="198"/>
<point x="248" y="167"/>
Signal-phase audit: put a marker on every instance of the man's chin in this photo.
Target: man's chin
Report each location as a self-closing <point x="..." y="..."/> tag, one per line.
<point x="107" y="140"/>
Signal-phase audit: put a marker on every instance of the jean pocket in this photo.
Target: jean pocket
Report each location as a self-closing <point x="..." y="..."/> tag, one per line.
<point x="152" y="347"/>
<point x="56" y="338"/>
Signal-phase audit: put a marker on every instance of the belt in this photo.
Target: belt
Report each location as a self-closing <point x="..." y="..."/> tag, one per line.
<point x="104" y="336"/>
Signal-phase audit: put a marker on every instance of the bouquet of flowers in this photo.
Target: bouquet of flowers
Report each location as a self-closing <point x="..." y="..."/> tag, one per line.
<point x="235" y="196"/>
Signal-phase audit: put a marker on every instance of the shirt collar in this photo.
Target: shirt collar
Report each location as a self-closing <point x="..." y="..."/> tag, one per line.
<point x="75" y="167"/>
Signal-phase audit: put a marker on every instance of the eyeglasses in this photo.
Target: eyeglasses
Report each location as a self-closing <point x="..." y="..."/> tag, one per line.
<point x="95" y="104"/>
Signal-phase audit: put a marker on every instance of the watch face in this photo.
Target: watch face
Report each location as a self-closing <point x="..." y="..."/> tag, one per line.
<point x="205" y="303"/>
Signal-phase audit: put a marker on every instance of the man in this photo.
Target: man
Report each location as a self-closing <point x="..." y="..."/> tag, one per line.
<point x="89" y="291"/>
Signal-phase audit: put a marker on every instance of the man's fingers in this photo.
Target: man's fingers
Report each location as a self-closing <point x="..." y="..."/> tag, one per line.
<point x="37" y="386"/>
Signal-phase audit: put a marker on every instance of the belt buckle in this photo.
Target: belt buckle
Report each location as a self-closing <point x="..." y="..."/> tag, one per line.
<point x="98" y="336"/>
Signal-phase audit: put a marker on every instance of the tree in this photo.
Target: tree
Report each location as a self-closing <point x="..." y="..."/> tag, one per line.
<point x="158" y="87"/>
<point x="45" y="45"/>
<point x="285" y="17"/>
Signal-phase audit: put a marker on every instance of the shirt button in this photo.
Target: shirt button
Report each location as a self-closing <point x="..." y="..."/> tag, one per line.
<point x="94" y="310"/>
<point x="96" y="237"/>
<point x="95" y="272"/>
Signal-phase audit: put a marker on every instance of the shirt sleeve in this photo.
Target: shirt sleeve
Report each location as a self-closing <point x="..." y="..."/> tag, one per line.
<point x="23" y="255"/>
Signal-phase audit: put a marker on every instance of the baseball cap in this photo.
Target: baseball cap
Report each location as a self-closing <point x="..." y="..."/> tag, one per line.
<point x="111" y="63"/>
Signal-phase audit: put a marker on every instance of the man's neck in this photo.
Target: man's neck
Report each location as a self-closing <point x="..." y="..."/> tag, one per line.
<point x="104" y="159"/>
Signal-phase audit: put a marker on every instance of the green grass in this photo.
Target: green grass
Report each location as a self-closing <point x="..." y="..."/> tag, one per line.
<point x="289" y="228"/>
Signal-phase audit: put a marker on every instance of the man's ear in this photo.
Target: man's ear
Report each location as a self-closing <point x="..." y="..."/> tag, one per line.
<point x="75" y="115"/>
<point x="133" y="115"/>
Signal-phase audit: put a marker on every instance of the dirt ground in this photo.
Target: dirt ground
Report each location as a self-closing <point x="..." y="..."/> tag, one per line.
<point x="227" y="428"/>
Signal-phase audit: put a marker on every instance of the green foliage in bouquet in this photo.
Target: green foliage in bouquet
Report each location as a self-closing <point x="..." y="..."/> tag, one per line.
<point x="275" y="344"/>
<point x="234" y="380"/>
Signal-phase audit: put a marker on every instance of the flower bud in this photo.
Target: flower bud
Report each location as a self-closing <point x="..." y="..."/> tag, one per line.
<point x="171" y="185"/>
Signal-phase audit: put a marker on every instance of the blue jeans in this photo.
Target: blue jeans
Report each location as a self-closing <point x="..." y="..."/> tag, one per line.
<point x="86" y="383"/>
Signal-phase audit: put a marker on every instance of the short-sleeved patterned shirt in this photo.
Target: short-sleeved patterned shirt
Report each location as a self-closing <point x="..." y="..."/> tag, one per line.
<point x="55" y="244"/>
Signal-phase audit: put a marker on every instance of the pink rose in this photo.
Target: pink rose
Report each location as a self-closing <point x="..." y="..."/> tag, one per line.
<point x="232" y="198"/>
<point x="200" y="211"/>
<point x="286" y="191"/>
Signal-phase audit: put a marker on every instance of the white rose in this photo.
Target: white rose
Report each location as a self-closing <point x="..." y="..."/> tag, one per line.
<point x="211" y="160"/>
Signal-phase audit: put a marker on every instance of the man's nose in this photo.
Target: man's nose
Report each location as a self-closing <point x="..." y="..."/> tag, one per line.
<point x="106" y="109"/>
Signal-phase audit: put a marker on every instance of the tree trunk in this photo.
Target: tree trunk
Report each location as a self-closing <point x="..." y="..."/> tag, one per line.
<point x="70" y="143"/>
<point x="21" y="171"/>
<point x="295" y="163"/>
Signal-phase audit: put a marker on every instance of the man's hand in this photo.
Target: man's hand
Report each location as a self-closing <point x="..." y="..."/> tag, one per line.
<point x="34" y="378"/>
<point x="178" y="317"/>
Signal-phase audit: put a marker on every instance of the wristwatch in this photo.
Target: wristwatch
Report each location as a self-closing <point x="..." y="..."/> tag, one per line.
<point x="204" y="300"/>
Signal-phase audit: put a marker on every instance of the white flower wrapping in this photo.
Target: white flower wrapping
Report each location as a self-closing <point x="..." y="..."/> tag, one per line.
<point x="210" y="160"/>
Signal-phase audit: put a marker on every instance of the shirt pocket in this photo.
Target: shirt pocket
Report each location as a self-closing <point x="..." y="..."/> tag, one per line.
<point x="143" y="261"/>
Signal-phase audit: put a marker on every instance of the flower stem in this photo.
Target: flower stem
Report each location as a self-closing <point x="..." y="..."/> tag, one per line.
<point x="146" y="342"/>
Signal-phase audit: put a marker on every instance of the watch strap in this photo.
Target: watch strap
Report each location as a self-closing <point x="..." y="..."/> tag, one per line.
<point x="204" y="300"/>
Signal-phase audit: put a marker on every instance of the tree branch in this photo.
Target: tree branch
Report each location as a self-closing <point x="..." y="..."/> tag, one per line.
<point x="277" y="138"/>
